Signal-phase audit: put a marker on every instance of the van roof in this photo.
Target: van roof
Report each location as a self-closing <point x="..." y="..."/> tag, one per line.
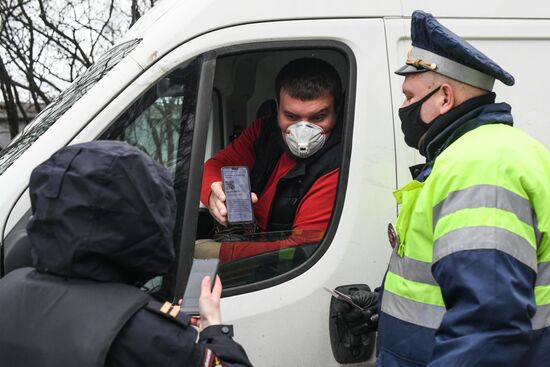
<point x="173" y="22"/>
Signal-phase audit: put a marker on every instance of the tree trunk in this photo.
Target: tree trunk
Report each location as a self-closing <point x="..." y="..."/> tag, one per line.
<point x="9" y="99"/>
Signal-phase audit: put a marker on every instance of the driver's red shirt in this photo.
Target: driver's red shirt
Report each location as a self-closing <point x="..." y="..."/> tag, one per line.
<point x="313" y="212"/>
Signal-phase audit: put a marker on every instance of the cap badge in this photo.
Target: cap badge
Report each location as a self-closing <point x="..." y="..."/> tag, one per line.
<point x="418" y="63"/>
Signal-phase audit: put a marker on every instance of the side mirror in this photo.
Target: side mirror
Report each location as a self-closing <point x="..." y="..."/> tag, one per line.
<point x="345" y="350"/>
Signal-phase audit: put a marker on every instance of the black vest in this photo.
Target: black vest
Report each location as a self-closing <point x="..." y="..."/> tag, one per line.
<point x="268" y="148"/>
<point x="50" y="321"/>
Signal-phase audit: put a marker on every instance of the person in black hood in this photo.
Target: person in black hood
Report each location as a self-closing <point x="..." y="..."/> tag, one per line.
<point x="103" y="216"/>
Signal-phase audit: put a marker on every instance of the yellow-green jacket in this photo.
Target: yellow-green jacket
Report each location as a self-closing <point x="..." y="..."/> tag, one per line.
<point x="469" y="283"/>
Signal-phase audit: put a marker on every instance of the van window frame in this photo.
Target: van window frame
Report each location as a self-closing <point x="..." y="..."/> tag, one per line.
<point x="174" y="282"/>
<point x="347" y="137"/>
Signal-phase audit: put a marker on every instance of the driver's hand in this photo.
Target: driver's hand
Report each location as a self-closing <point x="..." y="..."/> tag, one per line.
<point x="209" y="303"/>
<point x="216" y="203"/>
<point x="207" y="249"/>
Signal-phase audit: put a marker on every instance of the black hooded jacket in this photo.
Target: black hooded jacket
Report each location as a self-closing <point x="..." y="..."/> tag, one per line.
<point x="102" y="224"/>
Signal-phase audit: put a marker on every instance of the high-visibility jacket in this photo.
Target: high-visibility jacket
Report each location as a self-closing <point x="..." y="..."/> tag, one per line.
<point x="469" y="282"/>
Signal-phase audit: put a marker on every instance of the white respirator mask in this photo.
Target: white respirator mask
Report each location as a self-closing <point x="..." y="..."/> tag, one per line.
<point x="304" y="139"/>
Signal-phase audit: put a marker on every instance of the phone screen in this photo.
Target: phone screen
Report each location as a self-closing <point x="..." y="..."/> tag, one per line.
<point x="199" y="269"/>
<point x="236" y="185"/>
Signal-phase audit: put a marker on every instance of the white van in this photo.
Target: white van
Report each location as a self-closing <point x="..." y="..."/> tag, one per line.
<point x="190" y="75"/>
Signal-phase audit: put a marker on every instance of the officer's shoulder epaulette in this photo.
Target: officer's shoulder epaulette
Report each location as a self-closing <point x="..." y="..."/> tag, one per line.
<point x="168" y="311"/>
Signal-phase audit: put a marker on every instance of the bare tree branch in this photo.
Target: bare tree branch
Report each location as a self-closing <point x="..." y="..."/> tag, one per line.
<point x="85" y="59"/>
<point x="47" y="44"/>
<point x="9" y="100"/>
<point x="135" y="12"/>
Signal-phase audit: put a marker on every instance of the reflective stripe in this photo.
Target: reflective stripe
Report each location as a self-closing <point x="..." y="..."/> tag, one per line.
<point x="421" y="314"/>
<point x="485" y="196"/>
<point x="411" y="269"/>
<point x="543" y="274"/>
<point x="420" y="292"/>
<point x="541" y="318"/>
<point x="476" y="238"/>
<point x="485" y="217"/>
<point x="542" y="295"/>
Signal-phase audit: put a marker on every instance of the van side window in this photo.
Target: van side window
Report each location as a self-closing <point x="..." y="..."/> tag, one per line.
<point x="161" y="122"/>
<point x="162" y="118"/>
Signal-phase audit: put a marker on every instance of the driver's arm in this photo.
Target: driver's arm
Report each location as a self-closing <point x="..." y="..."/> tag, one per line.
<point x="239" y="153"/>
<point x="312" y="218"/>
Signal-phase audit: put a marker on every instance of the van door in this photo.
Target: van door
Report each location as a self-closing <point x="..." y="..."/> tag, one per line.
<point x="281" y="315"/>
<point x="195" y="99"/>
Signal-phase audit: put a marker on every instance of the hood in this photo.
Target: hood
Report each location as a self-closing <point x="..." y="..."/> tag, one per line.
<point x="102" y="210"/>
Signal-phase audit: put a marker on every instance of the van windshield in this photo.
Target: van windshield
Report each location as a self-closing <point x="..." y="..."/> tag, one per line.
<point x="63" y="102"/>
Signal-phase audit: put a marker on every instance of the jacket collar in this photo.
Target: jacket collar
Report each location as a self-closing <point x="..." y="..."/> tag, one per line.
<point x="457" y="122"/>
<point x="477" y="111"/>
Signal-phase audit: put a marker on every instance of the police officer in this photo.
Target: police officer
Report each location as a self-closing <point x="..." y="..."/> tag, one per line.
<point x="102" y="225"/>
<point x="468" y="279"/>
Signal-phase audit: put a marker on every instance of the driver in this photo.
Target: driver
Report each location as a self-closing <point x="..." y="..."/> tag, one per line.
<point x="292" y="188"/>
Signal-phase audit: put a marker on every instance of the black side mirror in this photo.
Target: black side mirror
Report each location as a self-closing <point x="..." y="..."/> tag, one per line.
<point x="345" y="349"/>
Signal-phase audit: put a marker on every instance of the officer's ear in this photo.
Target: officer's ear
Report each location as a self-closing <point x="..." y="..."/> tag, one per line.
<point x="448" y="100"/>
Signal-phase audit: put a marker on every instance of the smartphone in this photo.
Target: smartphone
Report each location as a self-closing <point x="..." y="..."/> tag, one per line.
<point x="199" y="269"/>
<point x="236" y="186"/>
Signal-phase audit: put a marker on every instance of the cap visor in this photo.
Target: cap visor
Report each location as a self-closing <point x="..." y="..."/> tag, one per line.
<point x="409" y="69"/>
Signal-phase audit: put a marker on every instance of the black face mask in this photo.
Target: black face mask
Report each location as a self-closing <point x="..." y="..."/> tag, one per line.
<point x="411" y="124"/>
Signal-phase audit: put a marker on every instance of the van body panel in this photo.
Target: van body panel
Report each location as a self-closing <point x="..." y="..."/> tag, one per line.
<point x="187" y="19"/>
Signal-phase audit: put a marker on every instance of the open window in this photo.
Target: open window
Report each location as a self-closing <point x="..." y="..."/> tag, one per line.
<point x="243" y="92"/>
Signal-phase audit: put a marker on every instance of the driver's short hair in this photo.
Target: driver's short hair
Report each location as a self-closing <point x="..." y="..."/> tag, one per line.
<point x="309" y="78"/>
